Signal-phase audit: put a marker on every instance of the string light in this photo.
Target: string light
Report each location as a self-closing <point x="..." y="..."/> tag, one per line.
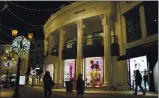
<point x="6" y="34"/>
<point x="21" y="19"/>
<point x="12" y="28"/>
<point x="5" y="42"/>
<point x="39" y="10"/>
<point x="35" y="29"/>
<point x="6" y="27"/>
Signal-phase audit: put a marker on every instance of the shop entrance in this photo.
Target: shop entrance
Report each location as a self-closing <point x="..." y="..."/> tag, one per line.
<point x="141" y="64"/>
<point x="69" y="70"/>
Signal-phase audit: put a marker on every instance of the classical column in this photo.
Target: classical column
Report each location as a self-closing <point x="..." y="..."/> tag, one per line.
<point x="79" y="61"/>
<point x="50" y="44"/>
<point x="107" y="50"/>
<point x="61" y="66"/>
<point x="143" y="21"/>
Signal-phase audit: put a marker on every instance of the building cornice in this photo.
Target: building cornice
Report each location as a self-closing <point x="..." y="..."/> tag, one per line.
<point x="67" y="14"/>
<point x="142" y="41"/>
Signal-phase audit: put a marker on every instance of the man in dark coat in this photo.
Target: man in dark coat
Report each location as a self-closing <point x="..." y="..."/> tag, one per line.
<point x="138" y="81"/>
<point x="48" y="84"/>
<point x="80" y="86"/>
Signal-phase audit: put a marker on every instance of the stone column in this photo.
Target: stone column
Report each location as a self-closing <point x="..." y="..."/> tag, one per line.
<point x="143" y="21"/>
<point x="79" y="61"/>
<point x="107" y="50"/>
<point x="50" y="44"/>
<point x="61" y="66"/>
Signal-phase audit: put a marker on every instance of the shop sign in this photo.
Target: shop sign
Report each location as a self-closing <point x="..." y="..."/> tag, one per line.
<point x="79" y="11"/>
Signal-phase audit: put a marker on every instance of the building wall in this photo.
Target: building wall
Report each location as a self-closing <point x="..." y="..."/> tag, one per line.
<point x="37" y="54"/>
<point x="81" y="18"/>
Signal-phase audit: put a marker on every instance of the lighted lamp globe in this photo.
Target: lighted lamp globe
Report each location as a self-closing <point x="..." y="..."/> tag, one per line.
<point x="30" y="35"/>
<point x="14" y="32"/>
<point x="4" y="57"/>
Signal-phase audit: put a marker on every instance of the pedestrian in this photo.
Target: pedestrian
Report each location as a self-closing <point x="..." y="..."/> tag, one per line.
<point x="138" y="81"/>
<point x="80" y="86"/>
<point x="145" y="78"/>
<point x="48" y="84"/>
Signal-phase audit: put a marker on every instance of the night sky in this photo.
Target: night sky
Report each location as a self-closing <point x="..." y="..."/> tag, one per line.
<point x="19" y="15"/>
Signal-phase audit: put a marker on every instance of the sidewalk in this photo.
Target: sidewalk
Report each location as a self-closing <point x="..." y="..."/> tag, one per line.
<point x="37" y="92"/>
<point x="104" y="92"/>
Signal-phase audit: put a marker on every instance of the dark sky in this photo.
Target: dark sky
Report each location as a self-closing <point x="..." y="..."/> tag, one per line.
<point x="18" y="17"/>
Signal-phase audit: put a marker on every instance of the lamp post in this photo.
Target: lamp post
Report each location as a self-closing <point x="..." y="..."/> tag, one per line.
<point x="20" y="46"/>
<point x="8" y="58"/>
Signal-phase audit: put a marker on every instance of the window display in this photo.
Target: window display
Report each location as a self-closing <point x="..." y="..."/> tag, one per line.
<point x="94" y="71"/>
<point x="138" y="63"/>
<point x="22" y="80"/>
<point x="69" y="71"/>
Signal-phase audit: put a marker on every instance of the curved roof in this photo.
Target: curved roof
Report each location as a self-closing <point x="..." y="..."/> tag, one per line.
<point x="74" y="12"/>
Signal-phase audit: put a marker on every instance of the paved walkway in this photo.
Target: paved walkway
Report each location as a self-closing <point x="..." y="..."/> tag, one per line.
<point x="37" y="92"/>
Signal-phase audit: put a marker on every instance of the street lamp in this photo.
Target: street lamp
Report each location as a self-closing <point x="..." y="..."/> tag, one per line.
<point x="20" y="46"/>
<point x="8" y="58"/>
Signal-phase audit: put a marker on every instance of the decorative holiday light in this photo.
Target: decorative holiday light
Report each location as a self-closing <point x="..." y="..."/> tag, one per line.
<point x="6" y="27"/>
<point x="5" y="42"/>
<point x="21" y="19"/>
<point x="39" y="10"/>
<point x="6" y="34"/>
<point x="28" y="30"/>
<point x="35" y="29"/>
<point x="20" y="45"/>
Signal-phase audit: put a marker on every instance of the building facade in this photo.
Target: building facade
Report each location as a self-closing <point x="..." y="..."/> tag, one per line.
<point x="92" y="38"/>
<point x="36" y="60"/>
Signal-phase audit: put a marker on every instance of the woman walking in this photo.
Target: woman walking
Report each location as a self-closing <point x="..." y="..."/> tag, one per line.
<point x="80" y="86"/>
<point x="48" y="84"/>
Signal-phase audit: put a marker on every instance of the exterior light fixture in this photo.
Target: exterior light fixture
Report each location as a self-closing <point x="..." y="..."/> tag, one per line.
<point x="14" y="32"/>
<point x="30" y="35"/>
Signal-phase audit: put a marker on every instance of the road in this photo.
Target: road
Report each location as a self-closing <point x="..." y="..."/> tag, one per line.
<point x="37" y="92"/>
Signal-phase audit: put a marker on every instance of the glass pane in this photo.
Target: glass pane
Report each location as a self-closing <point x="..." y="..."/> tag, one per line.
<point x="94" y="72"/>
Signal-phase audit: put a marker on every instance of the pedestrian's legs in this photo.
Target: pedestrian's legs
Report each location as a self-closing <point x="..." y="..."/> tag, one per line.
<point x="142" y="89"/>
<point x="145" y="85"/>
<point x="45" y="92"/>
<point x="81" y="95"/>
<point x="135" y="89"/>
<point x="50" y="92"/>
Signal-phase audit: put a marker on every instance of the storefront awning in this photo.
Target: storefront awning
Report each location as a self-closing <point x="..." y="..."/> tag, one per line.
<point x="138" y="51"/>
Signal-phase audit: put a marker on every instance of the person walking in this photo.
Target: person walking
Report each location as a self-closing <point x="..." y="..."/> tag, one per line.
<point x="138" y="81"/>
<point x="80" y="86"/>
<point x="145" y="78"/>
<point x="48" y="84"/>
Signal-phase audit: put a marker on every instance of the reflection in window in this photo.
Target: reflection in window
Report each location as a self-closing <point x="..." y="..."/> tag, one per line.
<point x="89" y="40"/>
<point x="133" y="28"/>
<point x="70" y="43"/>
<point x="151" y="15"/>
<point x="98" y="38"/>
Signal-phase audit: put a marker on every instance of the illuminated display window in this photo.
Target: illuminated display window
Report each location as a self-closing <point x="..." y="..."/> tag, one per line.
<point x="69" y="70"/>
<point x="138" y="63"/>
<point x="93" y="71"/>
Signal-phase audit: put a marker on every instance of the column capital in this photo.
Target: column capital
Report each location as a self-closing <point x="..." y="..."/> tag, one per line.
<point x="80" y="24"/>
<point x="62" y="31"/>
<point x="105" y="19"/>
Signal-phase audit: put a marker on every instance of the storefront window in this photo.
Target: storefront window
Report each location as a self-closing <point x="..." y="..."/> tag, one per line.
<point x="93" y="71"/>
<point x="151" y="15"/>
<point x="138" y="63"/>
<point x="133" y="26"/>
<point x="69" y="71"/>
